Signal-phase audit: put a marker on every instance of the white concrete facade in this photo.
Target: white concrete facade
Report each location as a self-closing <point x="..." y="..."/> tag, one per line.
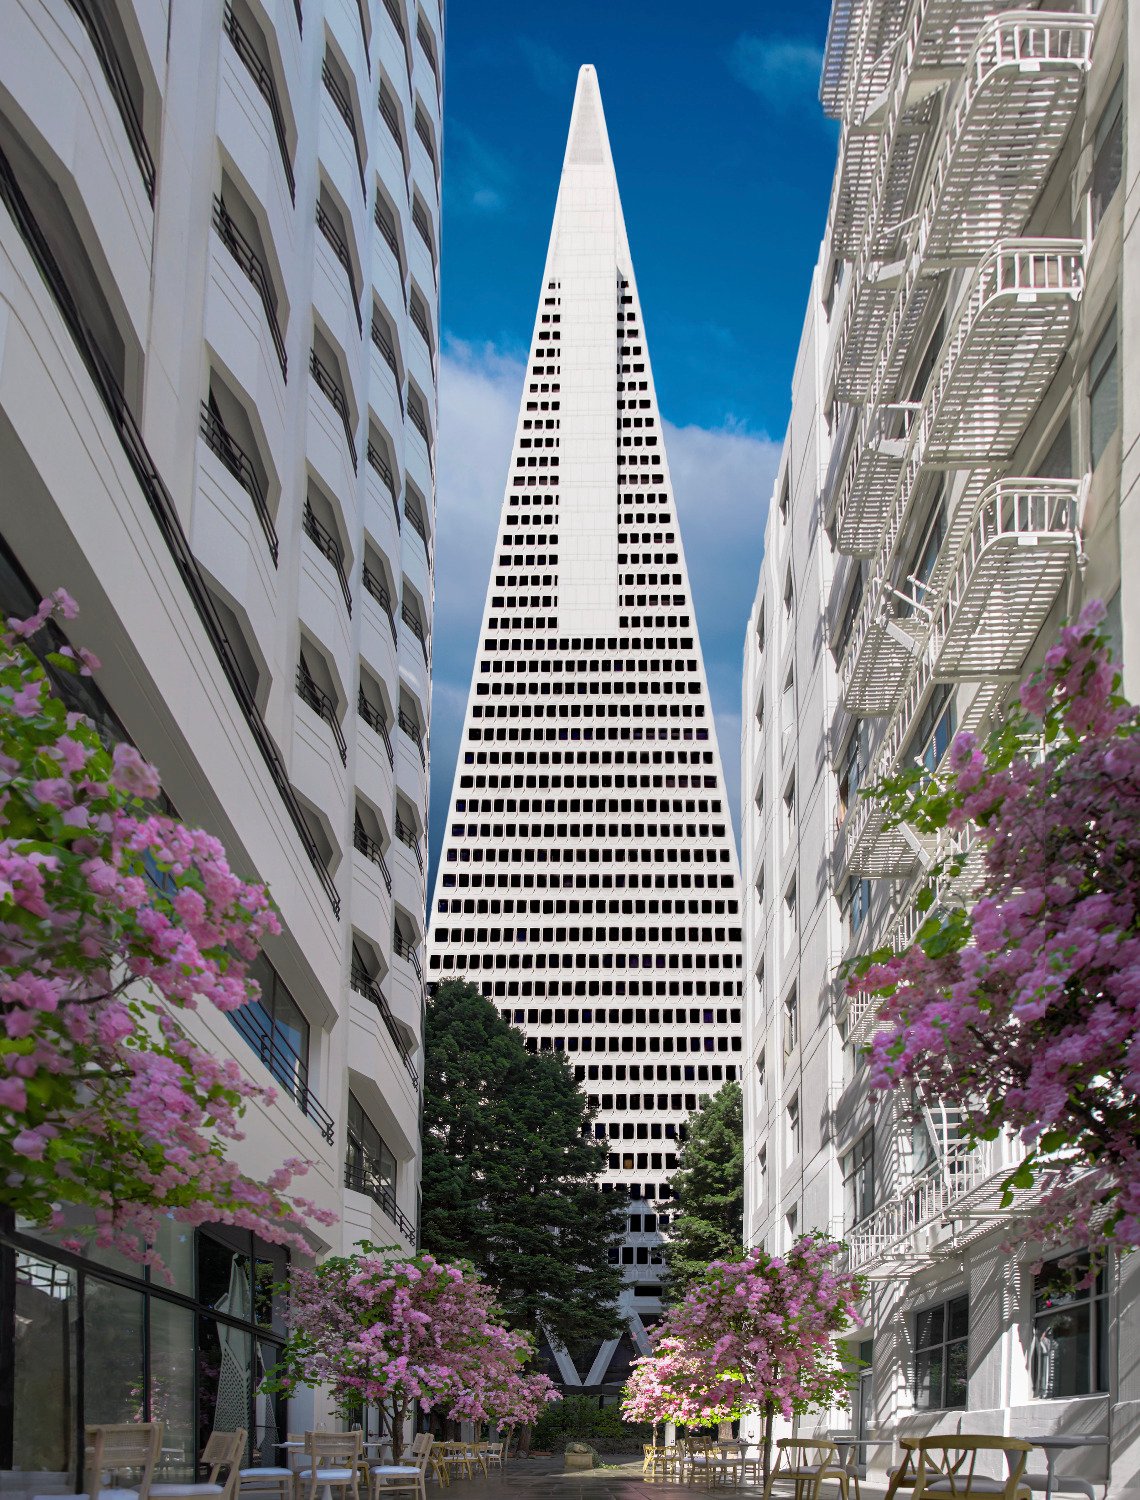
<point x="588" y="763"/>
<point x="957" y="476"/>
<point x="219" y="258"/>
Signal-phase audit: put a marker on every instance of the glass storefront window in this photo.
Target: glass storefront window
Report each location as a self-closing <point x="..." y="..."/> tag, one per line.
<point x="113" y="1352"/>
<point x="172" y="1360"/>
<point x="44" y="1349"/>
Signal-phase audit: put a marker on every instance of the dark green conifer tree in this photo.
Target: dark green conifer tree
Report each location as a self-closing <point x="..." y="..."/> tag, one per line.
<point x="709" y="1184"/>
<point x="510" y="1179"/>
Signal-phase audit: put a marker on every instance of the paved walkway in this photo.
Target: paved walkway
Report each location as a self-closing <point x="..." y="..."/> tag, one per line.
<point x="537" y="1478"/>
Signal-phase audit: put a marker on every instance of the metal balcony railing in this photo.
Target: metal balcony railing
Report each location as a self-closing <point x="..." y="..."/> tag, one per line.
<point x="336" y="93"/>
<point x="1020" y="549"/>
<point x="162" y="508"/>
<point x="412" y="621"/>
<point x="300" y="17"/>
<point x="387" y="228"/>
<point x="397" y="19"/>
<point x="262" y="76"/>
<point x="414" y="733"/>
<point x="372" y="850"/>
<point x="871" y="476"/>
<point x="328" y="546"/>
<point x="384" y="344"/>
<point x="418" y="419"/>
<point x="416" y="522"/>
<point x="382" y="467"/>
<point x="402" y="948"/>
<point x="860" y="35"/>
<point x="328" y="386"/>
<point x="965" y="1185"/>
<point x="219" y="441"/>
<point x="250" y="262"/>
<point x="1005" y="347"/>
<point x="323" y="706"/>
<point x="427" y="44"/>
<point x="286" y="1067"/>
<point x="423" y="130"/>
<point x="419" y="321"/>
<point x="407" y="837"/>
<point x="332" y="234"/>
<point x="1023" y="85"/>
<point x="374" y="717"/>
<point x="365" y="985"/>
<point x="378" y="589"/>
<point x="91" y="15"/>
<point x="423" y="224"/>
<point x="364" y="34"/>
<point x="361" y="1175"/>
<point x="387" y="106"/>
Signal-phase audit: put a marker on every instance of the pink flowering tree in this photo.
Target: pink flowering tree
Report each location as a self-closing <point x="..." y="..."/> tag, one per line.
<point x="115" y="920"/>
<point x="758" y="1335"/>
<point x="1023" y="1007"/>
<point x="399" y="1332"/>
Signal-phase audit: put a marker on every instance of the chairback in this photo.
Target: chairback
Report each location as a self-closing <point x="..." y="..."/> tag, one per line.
<point x="224" y="1450"/>
<point x="804" y="1453"/>
<point x="123" y="1445"/>
<point x="951" y="1462"/>
<point x="343" y="1449"/>
<point x="422" y="1443"/>
<point x="423" y="1457"/>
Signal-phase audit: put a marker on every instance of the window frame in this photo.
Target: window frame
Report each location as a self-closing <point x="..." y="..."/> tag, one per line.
<point x="943" y="1344"/>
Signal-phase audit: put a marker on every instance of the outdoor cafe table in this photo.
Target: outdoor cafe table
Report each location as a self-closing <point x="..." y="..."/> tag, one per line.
<point x="1056" y="1442"/>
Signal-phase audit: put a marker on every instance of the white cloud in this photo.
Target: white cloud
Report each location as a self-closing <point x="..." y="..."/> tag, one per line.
<point x="479" y="179"/>
<point x="782" y="70"/>
<point x="722" y="478"/>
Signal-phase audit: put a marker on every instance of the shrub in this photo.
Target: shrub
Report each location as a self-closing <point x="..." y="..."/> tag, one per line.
<point x="581" y="1419"/>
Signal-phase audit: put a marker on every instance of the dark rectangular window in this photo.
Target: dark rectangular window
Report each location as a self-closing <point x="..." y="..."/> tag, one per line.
<point x="941" y="1342"/>
<point x="1108" y="155"/>
<point x="1070" y="1332"/>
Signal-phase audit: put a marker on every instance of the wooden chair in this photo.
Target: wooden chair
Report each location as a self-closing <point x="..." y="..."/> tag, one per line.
<point x="408" y="1479"/>
<point x="947" y="1465"/>
<point x="494" y="1455"/>
<point x="807" y="1463"/>
<point x="113" y="1447"/>
<point x="332" y="1459"/>
<point x="223" y="1450"/>
<point x="902" y="1477"/>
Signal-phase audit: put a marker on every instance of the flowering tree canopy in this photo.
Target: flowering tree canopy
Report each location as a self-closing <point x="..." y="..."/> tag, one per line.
<point x="113" y="919"/>
<point x="1025" y="1009"/>
<point x="754" y="1335"/>
<point x="394" y="1332"/>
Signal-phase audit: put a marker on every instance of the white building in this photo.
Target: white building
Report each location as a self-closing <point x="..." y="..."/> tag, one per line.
<point x="219" y="248"/>
<point x="588" y="880"/>
<point x="952" y="485"/>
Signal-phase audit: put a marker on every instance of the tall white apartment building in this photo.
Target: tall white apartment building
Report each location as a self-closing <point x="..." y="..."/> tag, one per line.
<point x="959" y="474"/>
<point x="588" y="879"/>
<point x="219" y="259"/>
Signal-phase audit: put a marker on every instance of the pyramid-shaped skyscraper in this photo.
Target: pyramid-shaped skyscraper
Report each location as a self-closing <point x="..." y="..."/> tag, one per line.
<point x="588" y="878"/>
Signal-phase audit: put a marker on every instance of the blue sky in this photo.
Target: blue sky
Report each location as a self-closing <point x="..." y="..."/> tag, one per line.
<point x="724" y="164"/>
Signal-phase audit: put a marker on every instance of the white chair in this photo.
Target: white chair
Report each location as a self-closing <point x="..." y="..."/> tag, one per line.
<point x="1063" y="1484"/>
<point x="223" y="1450"/>
<point x="112" y="1447"/>
<point x="494" y="1455"/>
<point x="408" y="1479"/>
<point x="332" y="1460"/>
<point x="279" y="1477"/>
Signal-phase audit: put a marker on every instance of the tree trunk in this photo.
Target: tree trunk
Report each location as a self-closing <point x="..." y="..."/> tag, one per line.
<point x="398" y="1412"/>
<point x="523" y="1446"/>
<point x="769" y="1414"/>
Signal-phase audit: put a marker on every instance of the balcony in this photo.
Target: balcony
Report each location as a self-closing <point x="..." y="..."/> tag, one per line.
<point x="1018" y="553"/>
<point x="287" y="1067"/>
<point x="409" y="726"/>
<point x="378" y="590"/>
<point x="374" y="717"/>
<point x="104" y="47"/>
<point x="1021" y="91"/>
<point x="365" y="985"/>
<point x="872" y="476"/>
<point x="327" y="384"/>
<point x="857" y="53"/>
<point x="407" y="837"/>
<point x="220" y="443"/>
<point x="383" y="468"/>
<point x="332" y="234"/>
<point x="324" y="708"/>
<point x="328" y="546"/>
<point x="414" y="624"/>
<point x="388" y="355"/>
<point x="888" y="638"/>
<point x="364" y="843"/>
<point x="928" y="1220"/>
<point x="362" y="1175"/>
<point x="251" y="264"/>
<point x="334" y="87"/>
<point x="1004" y="350"/>
<point x="263" y="79"/>
<point x="403" y="948"/>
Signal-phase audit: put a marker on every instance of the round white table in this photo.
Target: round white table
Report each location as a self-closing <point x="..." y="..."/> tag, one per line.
<point x="1058" y="1442"/>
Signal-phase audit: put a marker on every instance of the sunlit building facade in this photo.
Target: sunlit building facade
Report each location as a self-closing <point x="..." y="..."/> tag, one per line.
<point x="958" y="475"/>
<point x="219" y="259"/>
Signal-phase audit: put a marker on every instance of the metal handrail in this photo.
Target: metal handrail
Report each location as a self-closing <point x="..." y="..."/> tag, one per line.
<point x="323" y="706"/>
<point x="424" y="37"/>
<point x="104" y="46"/>
<point x="422" y="223"/>
<point x="418" y="419"/>
<point x="407" y="836"/>
<point x="249" y="261"/>
<point x="384" y="344"/>
<point x="162" y="508"/>
<point x="387" y="106"/>
<point x="416" y="521"/>
<point x="412" y="730"/>
<point x="418" y="315"/>
<point x="402" y="948"/>
<point x="397" y="20"/>
<point x="374" y="718"/>
<point x="336" y="399"/>
<point x="388" y="229"/>
<point x="266" y="87"/>
<point x="362" y="1180"/>
<point x="344" y="110"/>
<point x="379" y="591"/>
<point x="328" y="546"/>
<point x="364" y="985"/>
<point x="340" y="250"/>
<point x="377" y="461"/>
<point x="219" y="442"/>
<point x="372" y="850"/>
<point x="284" y="1064"/>
<point x="424" y="132"/>
<point x="412" y="620"/>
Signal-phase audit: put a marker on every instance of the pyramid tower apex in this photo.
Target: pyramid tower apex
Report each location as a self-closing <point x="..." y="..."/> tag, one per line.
<point x="588" y="144"/>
